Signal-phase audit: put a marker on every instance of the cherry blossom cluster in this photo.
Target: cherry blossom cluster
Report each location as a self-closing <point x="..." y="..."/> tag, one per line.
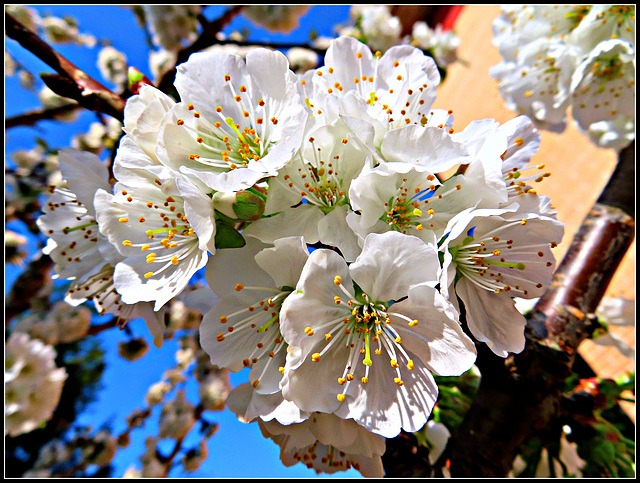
<point x="339" y="257"/>
<point x="376" y="26"/>
<point x="578" y="56"/>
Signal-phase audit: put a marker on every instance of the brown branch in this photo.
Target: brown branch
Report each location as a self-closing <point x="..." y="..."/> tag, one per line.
<point x="88" y="92"/>
<point x="410" y="14"/>
<point x="96" y="329"/>
<point x="30" y="118"/>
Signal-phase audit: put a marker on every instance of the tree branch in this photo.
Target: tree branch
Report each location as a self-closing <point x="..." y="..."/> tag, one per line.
<point x="30" y="118"/>
<point x="88" y="92"/>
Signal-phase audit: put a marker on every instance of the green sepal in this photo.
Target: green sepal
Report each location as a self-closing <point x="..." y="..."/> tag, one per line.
<point x="227" y="236"/>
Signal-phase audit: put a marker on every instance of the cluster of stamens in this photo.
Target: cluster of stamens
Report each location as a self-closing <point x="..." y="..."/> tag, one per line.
<point x="100" y="289"/>
<point x="367" y="324"/>
<point x="170" y="238"/>
<point x="261" y="321"/>
<point x="621" y="15"/>
<point x="517" y="185"/>
<point x="331" y="457"/>
<point x="410" y="209"/>
<point x="227" y="143"/>
<point x="83" y="235"/>
<point x="481" y="259"/>
<point x="409" y="106"/>
<point x="318" y="182"/>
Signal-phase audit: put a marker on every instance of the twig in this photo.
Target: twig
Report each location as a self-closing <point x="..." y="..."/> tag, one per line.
<point x="32" y="117"/>
<point x="87" y="91"/>
<point x="96" y="329"/>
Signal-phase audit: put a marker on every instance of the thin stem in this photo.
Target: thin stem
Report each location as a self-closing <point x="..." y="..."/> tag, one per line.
<point x="30" y="118"/>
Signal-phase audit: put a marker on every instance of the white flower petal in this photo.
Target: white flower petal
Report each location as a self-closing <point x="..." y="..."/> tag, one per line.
<point x="493" y="318"/>
<point x="431" y="147"/>
<point x="391" y="263"/>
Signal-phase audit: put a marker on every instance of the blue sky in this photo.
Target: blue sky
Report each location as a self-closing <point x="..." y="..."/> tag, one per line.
<point x="237" y="449"/>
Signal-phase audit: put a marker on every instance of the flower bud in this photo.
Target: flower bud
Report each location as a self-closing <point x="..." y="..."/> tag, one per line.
<point x="242" y="205"/>
<point x="136" y="80"/>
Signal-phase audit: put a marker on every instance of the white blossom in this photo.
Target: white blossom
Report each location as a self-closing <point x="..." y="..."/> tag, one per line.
<point x="33" y="383"/>
<point x="161" y="61"/>
<point x="100" y="136"/>
<point x="162" y="238"/>
<point x="113" y="65"/>
<point x="309" y="197"/>
<point x="301" y="59"/>
<point x="327" y="444"/>
<point x="156" y="393"/>
<point x="581" y="56"/>
<point x="213" y="392"/>
<point x="567" y="463"/>
<point x="321" y="441"/>
<point x="492" y="255"/>
<point x="63" y="324"/>
<point x="25" y="15"/>
<point x="438" y="436"/>
<point x="392" y="90"/>
<point x="275" y="18"/>
<point x="243" y="329"/>
<point x="10" y="65"/>
<point x="177" y="417"/>
<point x="383" y="381"/>
<point x="63" y="31"/>
<point x="620" y="312"/>
<point x="172" y="26"/>
<point x="374" y="25"/>
<point x="443" y="43"/>
<point x="80" y="252"/>
<point x="603" y="88"/>
<point x="236" y="123"/>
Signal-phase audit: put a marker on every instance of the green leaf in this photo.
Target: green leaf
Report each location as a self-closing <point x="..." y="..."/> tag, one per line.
<point x="227" y="236"/>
